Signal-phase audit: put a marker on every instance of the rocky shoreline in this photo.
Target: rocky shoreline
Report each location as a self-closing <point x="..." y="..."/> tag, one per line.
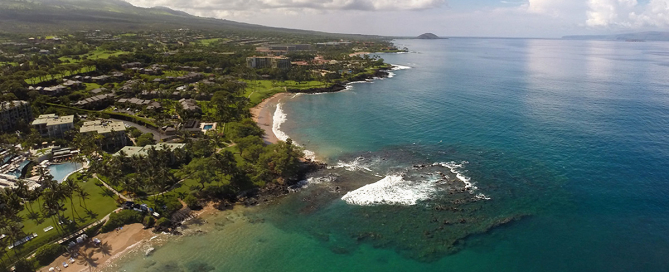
<point x="337" y="87"/>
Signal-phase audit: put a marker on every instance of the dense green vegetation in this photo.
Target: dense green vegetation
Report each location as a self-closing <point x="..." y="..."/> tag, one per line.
<point x="158" y="80"/>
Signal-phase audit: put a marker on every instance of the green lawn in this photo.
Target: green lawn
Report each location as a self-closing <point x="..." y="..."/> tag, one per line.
<point x="98" y="204"/>
<point x="207" y="42"/>
<point x="97" y="54"/>
<point x="258" y="90"/>
<point x="92" y="86"/>
<point x="37" y="80"/>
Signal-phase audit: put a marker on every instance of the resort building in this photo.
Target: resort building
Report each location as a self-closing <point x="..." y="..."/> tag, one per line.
<point x="283" y="48"/>
<point x="53" y="126"/>
<point x="12" y="112"/>
<point x="268" y="62"/>
<point x="96" y="102"/>
<point x="190" y="105"/>
<point x="141" y="151"/>
<point x="113" y="131"/>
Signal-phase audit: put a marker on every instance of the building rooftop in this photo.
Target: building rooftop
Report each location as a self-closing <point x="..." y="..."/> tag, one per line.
<point x="52" y="120"/>
<point x="142" y="151"/>
<point x="12" y="104"/>
<point x="102" y="127"/>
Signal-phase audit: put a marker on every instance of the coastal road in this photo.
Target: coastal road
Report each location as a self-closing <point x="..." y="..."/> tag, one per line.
<point x="157" y="136"/>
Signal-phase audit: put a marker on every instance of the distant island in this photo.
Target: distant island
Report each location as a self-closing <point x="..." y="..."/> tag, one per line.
<point x="428" y="36"/>
<point x="639" y="36"/>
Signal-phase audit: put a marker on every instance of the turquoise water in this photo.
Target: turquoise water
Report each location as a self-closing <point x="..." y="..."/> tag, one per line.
<point x="208" y="127"/>
<point x="60" y="171"/>
<point x="554" y="156"/>
<point x="17" y="172"/>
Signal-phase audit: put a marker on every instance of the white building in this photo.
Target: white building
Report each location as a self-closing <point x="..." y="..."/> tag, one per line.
<point x="53" y="126"/>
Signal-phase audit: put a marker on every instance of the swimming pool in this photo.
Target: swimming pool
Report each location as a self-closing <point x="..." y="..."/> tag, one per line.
<point x="208" y="127"/>
<point x="60" y="171"/>
<point x="17" y="172"/>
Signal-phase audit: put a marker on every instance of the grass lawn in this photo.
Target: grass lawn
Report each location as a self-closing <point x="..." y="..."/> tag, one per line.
<point x="92" y="86"/>
<point x="258" y="90"/>
<point x="98" y="204"/>
<point x="207" y="42"/>
<point x="37" y="80"/>
<point x="97" y="54"/>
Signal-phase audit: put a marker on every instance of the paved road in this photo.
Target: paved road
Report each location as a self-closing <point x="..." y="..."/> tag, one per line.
<point x="156" y="133"/>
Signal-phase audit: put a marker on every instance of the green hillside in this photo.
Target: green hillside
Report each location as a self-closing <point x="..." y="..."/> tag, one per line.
<point x="62" y="16"/>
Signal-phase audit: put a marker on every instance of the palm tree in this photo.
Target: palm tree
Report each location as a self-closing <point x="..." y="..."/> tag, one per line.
<point x="68" y="188"/>
<point x="83" y="195"/>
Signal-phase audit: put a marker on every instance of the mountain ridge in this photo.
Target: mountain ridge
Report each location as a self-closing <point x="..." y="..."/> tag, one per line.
<point x="63" y="16"/>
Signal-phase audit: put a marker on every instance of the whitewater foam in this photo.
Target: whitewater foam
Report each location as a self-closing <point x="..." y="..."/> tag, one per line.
<point x="455" y="168"/>
<point x="400" y="67"/>
<point x="359" y="164"/>
<point x="312" y="181"/>
<point x="391" y="190"/>
<point x="277" y="120"/>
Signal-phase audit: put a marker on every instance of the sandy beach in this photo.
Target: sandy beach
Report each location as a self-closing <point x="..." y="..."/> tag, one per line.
<point x="263" y="115"/>
<point x="113" y="244"/>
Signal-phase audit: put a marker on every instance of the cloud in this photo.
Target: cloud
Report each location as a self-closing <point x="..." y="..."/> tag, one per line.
<point x="555" y="8"/>
<point x="255" y="5"/>
<point x="627" y="14"/>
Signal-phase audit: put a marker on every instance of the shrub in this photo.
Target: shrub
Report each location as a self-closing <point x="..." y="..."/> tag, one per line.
<point x="24" y="265"/>
<point x="167" y="205"/>
<point x="163" y="222"/>
<point x="149" y="221"/>
<point x="192" y="202"/>
<point x="122" y="218"/>
<point x="47" y="253"/>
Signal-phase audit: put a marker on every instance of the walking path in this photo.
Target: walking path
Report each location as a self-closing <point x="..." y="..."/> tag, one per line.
<point x="112" y="189"/>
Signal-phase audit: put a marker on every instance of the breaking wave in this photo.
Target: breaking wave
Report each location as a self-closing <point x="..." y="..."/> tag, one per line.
<point x="400" y="67"/>
<point x="414" y="185"/>
<point x="277" y="120"/>
<point x="392" y="190"/>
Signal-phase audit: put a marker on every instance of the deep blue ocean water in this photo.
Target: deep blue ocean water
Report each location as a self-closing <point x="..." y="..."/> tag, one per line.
<point x="569" y="140"/>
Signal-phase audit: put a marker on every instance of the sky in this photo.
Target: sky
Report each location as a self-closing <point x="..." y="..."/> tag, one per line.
<point x="482" y="18"/>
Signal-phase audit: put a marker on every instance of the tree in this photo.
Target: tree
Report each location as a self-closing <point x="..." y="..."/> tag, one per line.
<point x="145" y="139"/>
<point x="192" y="202"/>
<point x="48" y="253"/>
<point x="24" y="265"/>
<point x="201" y="170"/>
<point x="280" y="162"/>
<point x="253" y="145"/>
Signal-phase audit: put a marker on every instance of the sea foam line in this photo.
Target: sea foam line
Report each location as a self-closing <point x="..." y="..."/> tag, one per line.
<point x="400" y="67"/>
<point x="277" y="120"/>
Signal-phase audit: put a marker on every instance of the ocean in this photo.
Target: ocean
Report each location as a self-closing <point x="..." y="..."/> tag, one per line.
<point x="475" y="155"/>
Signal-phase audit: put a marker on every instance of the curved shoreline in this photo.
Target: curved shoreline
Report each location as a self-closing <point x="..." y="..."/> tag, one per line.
<point x="263" y="113"/>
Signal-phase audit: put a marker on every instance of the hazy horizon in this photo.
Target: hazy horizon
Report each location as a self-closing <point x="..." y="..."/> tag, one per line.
<point x="487" y="18"/>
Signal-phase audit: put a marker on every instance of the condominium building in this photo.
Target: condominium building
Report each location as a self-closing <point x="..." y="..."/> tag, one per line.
<point x="53" y="126"/>
<point x="113" y="132"/>
<point x="268" y="62"/>
<point x="12" y="112"/>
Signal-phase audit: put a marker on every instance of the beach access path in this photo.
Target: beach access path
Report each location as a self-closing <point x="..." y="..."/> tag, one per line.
<point x="112" y="189"/>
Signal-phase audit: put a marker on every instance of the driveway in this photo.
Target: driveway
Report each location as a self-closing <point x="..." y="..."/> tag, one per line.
<point x="156" y="133"/>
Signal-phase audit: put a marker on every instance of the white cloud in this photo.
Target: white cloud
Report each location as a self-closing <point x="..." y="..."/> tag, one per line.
<point x="251" y="5"/>
<point x="624" y="14"/>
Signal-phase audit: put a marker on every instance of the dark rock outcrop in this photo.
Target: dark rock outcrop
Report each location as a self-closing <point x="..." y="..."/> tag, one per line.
<point x="428" y="36"/>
